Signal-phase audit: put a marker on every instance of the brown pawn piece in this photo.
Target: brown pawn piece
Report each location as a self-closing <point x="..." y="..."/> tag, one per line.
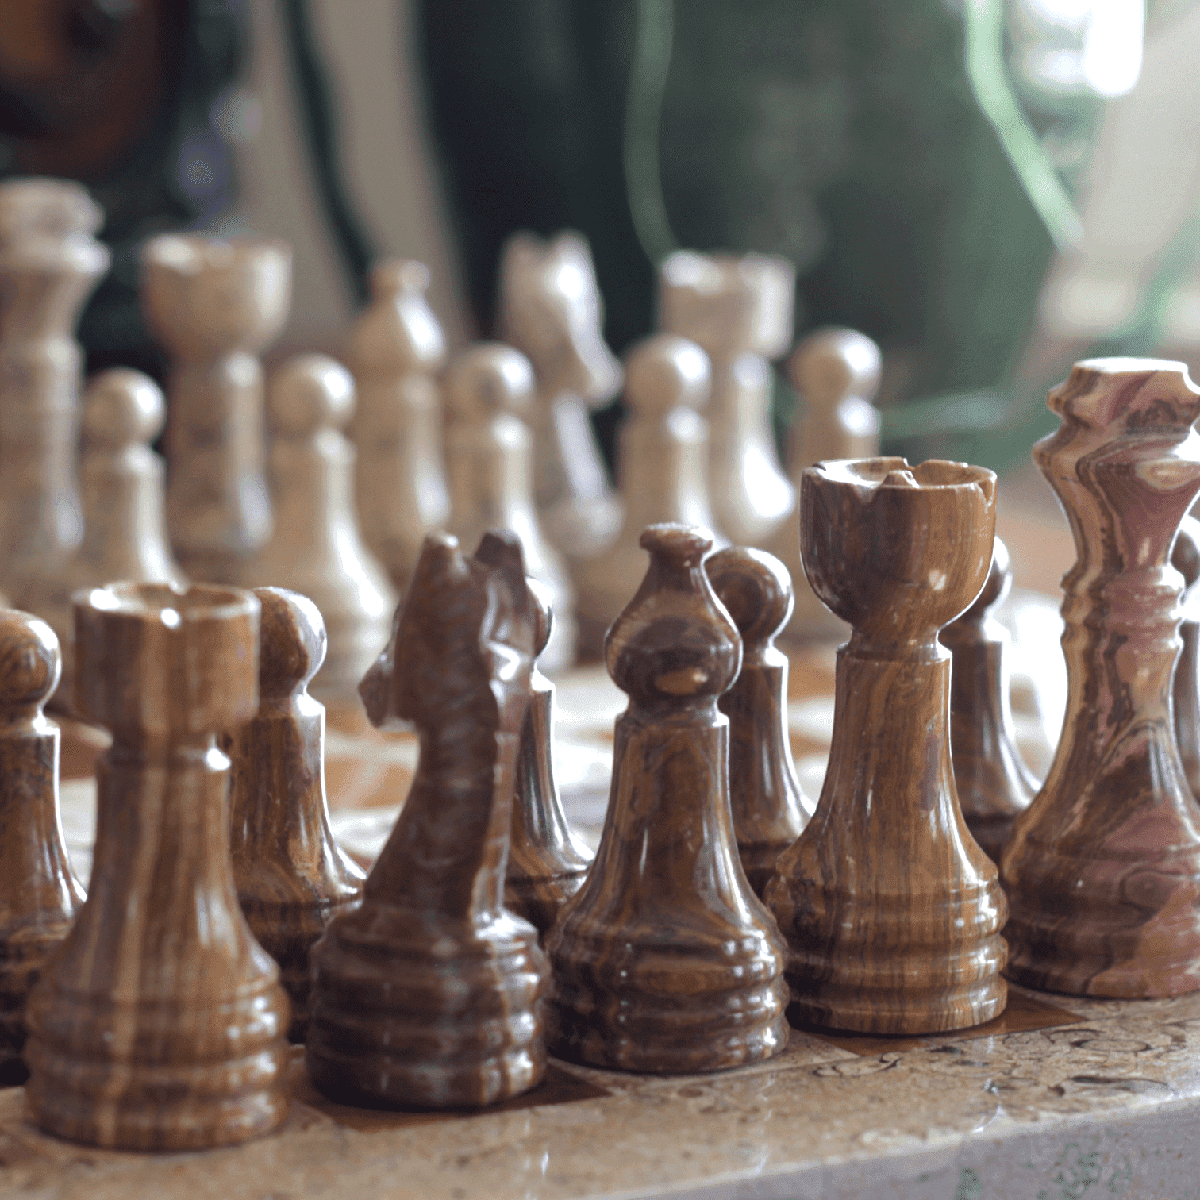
<point x="665" y="961"/>
<point x="39" y="894"/>
<point x="769" y="809"/>
<point x="546" y="862"/>
<point x="1185" y="690"/>
<point x="430" y="993"/>
<point x="1103" y="868"/>
<point x="292" y="878"/>
<point x="992" y="780"/>
<point x="215" y="305"/>
<point x="835" y="373"/>
<point x="892" y="913"/>
<point x="315" y="547"/>
<point x="396" y="349"/>
<point x="159" y="1022"/>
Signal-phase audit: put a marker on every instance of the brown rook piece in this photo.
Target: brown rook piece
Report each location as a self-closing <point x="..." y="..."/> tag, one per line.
<point x="992" y="780"/>
<point x="429" y="994"/>
<point x="1185" y="558"/>
<point x="159" y="1022"/>
<point x="892" y="913"/>
<point x="769" y="809"/>
<point x="39" y="894"/>
<point x="1103" y="869"/>
<point x="665" y="961"/>
<point x="546" y="862"/>
<point x="291" y="875"/>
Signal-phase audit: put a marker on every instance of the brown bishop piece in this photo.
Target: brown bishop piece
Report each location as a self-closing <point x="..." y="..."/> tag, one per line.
<point x="891" y="911"/>
<point x="547" y="863"/>
<point x="1103" y="868"/>
<point x="1185" y="691"/>
<point x="159" y="1022"/>
<point x="39" y="894"/>
<point x="769" y="809"/>
<point x="430" y="993"/>
<point x="665" y="960"/>
<point x="292" y="878"/>
<point x="993" y="782"/>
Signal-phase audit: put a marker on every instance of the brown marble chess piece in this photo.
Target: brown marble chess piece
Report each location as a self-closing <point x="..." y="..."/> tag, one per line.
<point x="39" y="894"/>
<point x="892" y="913"/>
<point x="396" y="350"/>
<point x="49" y="263"/>
<point x="215" y="305"/>
<point x="121" y="482"/>
<point x="1103" y="869"/>
<point x="159" y="1022"/>
<point x="835" y="373"/>
<point x="665" y="960"/>
<point x="547" y="863"/>
<point x="1185" y="690"/>
<point x="430" y="993"/>
<point x="315" y="547"/>
<point x="738" y="309"/>
<point x="662" y="460"/>
<point x="549" y="308"/>
<point x="991" y="778"/>
<point x="489" y="448"/>
<point x="291" y="876"/>
<point x="769" y="809"/>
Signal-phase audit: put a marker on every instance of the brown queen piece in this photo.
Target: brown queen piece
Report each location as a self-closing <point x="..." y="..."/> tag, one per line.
<point x="665" y="961"/>
<point x="891" y="911"/>
<point x="429" y="994"/>
<point x="1103" y="869"/>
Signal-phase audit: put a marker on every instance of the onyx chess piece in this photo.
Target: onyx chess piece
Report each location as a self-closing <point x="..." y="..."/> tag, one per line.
<point x="1185" y="690"/>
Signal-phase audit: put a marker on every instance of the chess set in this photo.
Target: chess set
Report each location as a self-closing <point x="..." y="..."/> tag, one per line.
<point x="667" y="865"/>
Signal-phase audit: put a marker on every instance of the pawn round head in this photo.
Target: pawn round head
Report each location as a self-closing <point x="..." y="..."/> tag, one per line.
<point x="122" y="408"/>
<point x="30" y="660"/>
<point x="755" y="589"/>
<point x="666" y="372"/>
<point x="308" y="393"/>
<point x="832" y="364"/>
<point x="292" y="642"/>
<point x="1185" y="555"/>
<point x="995" y="587"/>
<point x="487" y="379"/>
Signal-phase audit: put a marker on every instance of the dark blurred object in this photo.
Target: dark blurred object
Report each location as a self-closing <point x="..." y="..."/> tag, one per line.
<point x="134" y="99"/>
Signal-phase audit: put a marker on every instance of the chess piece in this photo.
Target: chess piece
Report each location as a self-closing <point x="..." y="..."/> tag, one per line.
<point x="430" y="993"/>
<point x="892" y="913"/>
<point x="1103" y="868"/>
<point x="215" y="305"/>
<point x="39" y="894"/>
<point x="738" y="309"/>
<point x="159" y="1022"/>
<point x="546" y="862"/>
<point x="550" y="309"/>
<point x="489" y="391"/>
<point x="769" y="809"/>
<point x="49" y="263"/>
<point x="291" y="875"/>
<point x="663" y="461"/>
<point x="396" y="349"/>
<point x="315" y="548"/>
<point x="991" y="778"/>
<point x="835" y="373"/>
<point x="665" y="961"/>
<point x="1185" y="690"/>
<point x="122" y="489"/>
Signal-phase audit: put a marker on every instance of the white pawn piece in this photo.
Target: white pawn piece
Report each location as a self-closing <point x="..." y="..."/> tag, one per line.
<point x="662" y="460"/>
<point x="215" y="305"/>
<point x="738" y="309"/>
<point x="550" y="309"/>
<point x="835" y="373"/>
<point x="396" y="349"/>
<point x="49" y="263"/>
<point x="316" y="548"/>
<point x="489" y="463"/>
